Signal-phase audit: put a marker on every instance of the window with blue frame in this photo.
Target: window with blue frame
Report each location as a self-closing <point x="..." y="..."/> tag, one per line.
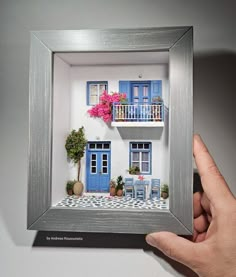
<point x="95" y="90"/>
<point x="140" y="155"/>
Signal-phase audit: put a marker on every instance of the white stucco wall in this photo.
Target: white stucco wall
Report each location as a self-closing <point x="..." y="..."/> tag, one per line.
<point x="61" y="127"/>
<point x="97" y="130"/>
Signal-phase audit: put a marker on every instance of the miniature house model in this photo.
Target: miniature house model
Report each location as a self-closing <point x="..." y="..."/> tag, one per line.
<point x="135" y="137"/>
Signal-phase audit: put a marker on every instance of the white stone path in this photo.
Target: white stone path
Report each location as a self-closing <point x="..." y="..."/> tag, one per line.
<point x="110" y="202"/>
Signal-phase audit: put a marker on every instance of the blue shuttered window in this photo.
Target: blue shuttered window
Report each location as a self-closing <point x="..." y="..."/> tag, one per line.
<point x="155" y="91"/>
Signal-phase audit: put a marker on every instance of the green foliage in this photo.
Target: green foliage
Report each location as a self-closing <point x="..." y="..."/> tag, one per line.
<point x="70" y="184"/>
<point x="75" y="145"/>
<point x="124" y="101"/>
<point x="120" y="183"/>
<point x="165" y="188"/>
<point x="134" y="170"/>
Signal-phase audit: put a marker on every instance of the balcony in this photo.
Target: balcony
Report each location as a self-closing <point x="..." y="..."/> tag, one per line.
<point x="138" y="115"/>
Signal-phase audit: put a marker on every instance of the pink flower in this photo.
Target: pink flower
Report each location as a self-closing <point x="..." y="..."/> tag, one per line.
<point x="104" y="108"/>
<point x="141" y="178"/>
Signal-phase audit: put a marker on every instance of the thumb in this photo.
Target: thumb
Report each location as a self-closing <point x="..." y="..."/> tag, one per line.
<point x="175" y="247"/>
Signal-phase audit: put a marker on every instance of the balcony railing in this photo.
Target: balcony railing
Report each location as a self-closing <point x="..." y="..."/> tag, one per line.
<point x="138" y="112"/>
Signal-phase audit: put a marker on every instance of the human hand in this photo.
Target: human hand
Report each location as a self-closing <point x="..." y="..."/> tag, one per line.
<point x="213" y="249"/>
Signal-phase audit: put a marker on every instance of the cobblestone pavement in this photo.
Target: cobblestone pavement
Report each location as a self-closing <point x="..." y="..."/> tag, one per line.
<point x="110" y="202"/>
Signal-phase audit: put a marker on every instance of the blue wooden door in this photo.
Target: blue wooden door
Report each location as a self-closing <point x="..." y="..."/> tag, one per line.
<point x="140" y="97"/>
<point x="140" y="92"/>
<point x="98" y="167"/>
<point x="104" y="178"/>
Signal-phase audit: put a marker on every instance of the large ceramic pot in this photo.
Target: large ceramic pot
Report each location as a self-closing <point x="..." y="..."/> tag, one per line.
<point x="78" y="188"/>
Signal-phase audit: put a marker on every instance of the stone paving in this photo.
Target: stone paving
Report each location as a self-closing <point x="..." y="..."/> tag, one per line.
<point x="110" y="202"/>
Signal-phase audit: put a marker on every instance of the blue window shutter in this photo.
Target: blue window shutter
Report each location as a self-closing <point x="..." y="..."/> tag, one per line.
<point x="156" y="88"/>
<point x="124" y="86"/>
<point x="87" y="93"/>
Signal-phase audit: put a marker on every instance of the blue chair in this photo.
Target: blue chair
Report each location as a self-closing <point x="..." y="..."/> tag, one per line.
<point x="147" y="184"/>
<point x="129" y="187"/>
<point x="140" y="190"/>
<point x="155" y="189"/>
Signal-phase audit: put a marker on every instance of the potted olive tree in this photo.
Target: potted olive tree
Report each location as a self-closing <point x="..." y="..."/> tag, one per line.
<point x="75" y="147"/>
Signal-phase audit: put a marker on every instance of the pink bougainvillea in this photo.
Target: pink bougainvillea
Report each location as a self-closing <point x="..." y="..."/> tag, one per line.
<point x="104" y="108"/>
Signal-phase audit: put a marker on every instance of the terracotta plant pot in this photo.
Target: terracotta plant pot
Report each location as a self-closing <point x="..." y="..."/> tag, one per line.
<point x="112" y="191"/>
<point x="70" y="192"/>
<point x="164" y="195"/>
<point x="119" y="192"/>
<point x="78" y="188"/>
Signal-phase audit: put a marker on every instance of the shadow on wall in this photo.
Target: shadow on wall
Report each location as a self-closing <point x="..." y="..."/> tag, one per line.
<point x="214" y="92"/>
<point x="214" y="108"/>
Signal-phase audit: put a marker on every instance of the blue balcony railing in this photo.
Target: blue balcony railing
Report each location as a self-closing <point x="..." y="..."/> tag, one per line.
<point x="138" y="112"/>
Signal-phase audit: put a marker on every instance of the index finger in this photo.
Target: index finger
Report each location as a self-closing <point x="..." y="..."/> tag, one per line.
<point x="213" y="182"/>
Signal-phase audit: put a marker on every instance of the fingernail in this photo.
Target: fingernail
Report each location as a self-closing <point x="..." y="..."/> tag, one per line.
<point x="198" y="137"/>
<point x="150" y="240"/>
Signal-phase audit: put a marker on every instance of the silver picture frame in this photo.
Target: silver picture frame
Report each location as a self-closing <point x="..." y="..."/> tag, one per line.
<point x="178" y="41"/>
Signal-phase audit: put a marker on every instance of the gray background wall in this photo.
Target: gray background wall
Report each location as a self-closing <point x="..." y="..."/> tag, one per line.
<point x="214" y="118"/>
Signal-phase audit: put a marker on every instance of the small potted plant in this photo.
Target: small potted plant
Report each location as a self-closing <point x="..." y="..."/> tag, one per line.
<point x="119" y="186"/>
<point x="164" y="191"/>
<point x="69" y="187"/>
<point x="157" y="99"/>
<point x="112" y="188"/>
<point x="134" y="170"/>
